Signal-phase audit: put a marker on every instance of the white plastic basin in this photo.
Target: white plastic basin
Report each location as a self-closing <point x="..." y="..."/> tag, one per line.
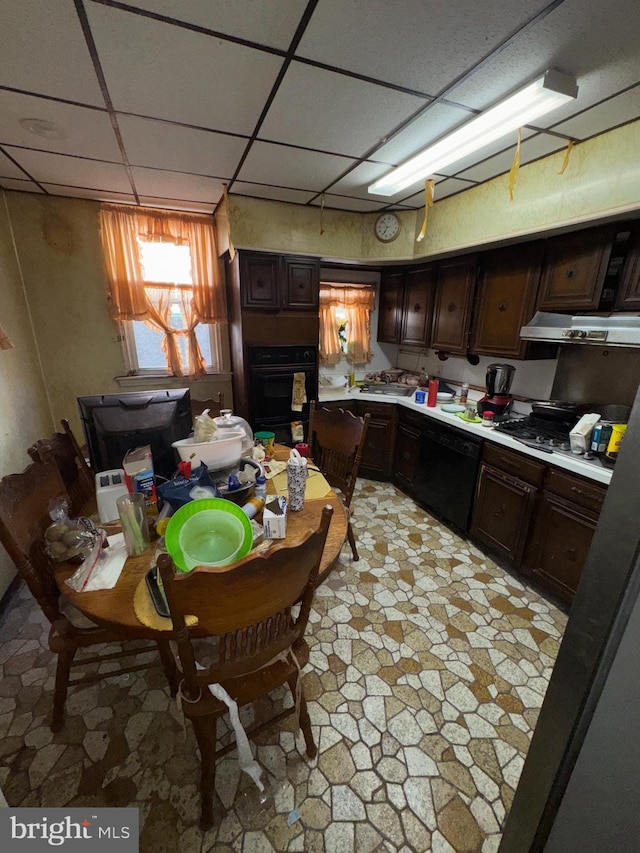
<point x="220" y="453"/>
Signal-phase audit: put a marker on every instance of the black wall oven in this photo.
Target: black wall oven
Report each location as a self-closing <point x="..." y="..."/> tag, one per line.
<point x="271" y="372"/>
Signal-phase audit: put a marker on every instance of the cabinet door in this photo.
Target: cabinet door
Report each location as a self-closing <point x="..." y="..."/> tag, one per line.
<point x="301" y="284"/>
<point x="377" y="454"/>
<point x="502" y="512"/>
<point x="574" y="270"/>
<point x="259" y="281"/>
<point x="629" y="295"/>
<point x="391" y="290"/>
<point x="560" y="542"/>
<point x="406" y="456"/>
<point x="452" y="309"/>
<point x="506" y="299"/>
<point x="417" y="310"/>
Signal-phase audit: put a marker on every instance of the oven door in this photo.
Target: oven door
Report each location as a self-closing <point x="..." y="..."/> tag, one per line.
<point x="271" y="392"/>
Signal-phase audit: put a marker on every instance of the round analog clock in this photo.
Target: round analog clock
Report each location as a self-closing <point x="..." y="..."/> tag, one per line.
<point x="387" y="227"/>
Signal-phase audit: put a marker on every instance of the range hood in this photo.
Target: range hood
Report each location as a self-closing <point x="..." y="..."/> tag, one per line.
<point x="612" y="330"/>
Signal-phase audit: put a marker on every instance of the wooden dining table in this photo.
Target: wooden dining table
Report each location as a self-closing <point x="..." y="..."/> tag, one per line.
<point x="115" y="607"/>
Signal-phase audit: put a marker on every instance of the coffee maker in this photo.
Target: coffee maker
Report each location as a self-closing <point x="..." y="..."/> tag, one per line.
<point x="498" y="380"/>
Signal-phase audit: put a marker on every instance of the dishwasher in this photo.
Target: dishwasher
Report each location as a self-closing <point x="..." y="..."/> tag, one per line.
<point x="448" y="464"/>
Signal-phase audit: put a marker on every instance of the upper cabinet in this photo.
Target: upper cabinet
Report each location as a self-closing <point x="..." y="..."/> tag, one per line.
<point x="390" y="307"/>
<point x="453" y="301"/>
<point x="575" y="269"/>
<point x="505" y="301"/>
<point x="275" y="283"/>
<point x="417" y="310"/>
<point x="629" y="294"/>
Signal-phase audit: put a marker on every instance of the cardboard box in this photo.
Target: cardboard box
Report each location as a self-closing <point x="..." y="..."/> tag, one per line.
<point x="274" y="518"/>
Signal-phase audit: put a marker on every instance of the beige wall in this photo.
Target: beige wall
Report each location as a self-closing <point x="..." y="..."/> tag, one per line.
<point x="602" y="180"/>
<point x="24" y="413"/>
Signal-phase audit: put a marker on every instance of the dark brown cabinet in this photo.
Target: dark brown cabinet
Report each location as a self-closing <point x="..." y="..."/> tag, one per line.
<point x="453" y="302"/>
<point x="377" y="454"/>
<point x="417" y="306"/>
<point x="407" y="449"/>
<point x="575" y="268"/>
<point x="629" y="293"/>
<point x="275" y="283"/>
<point x="390" y="310"/>
<point x="505" y="301"/>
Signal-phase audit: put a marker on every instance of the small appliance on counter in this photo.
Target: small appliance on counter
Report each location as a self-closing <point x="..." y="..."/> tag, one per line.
<point x="109" y="486"/>
<point x="498" y="381"/>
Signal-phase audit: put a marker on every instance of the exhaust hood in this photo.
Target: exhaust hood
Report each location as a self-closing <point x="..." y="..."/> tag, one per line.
<point x="612" y="330"/>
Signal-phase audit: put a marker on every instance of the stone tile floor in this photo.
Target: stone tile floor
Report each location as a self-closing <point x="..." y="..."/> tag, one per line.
<point x="428" y="667"/>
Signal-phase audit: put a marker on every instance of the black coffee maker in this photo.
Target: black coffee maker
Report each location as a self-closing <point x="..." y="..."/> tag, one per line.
<point x="498" y="380"/>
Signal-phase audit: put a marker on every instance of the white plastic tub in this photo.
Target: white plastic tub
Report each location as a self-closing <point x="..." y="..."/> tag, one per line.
<point x="220" y="453"/>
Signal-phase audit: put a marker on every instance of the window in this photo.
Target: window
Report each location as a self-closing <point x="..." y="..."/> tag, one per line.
<point x="345" y="311"/>
<point x="164" y="289"/>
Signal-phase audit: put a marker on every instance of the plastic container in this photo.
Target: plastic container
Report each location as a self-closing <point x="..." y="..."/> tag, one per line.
<point x="260" y="490"/>
<point x="433" y="393"/>
<point x="216" y="454"/>
<point x="132" y="510"/>
<point x="211" y="538"/>
<point x="253" y="506"/>
<point x="419" y="397"/>
<point x="487" y="419"/>
<point x="228" y="422"/>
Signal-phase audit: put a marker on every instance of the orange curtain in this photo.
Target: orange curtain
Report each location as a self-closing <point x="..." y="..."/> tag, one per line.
<point x="133" y="299"/>
<point x="330" y="351"/>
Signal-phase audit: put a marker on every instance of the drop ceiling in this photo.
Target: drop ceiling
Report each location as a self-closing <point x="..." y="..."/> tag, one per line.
<point x="161" y="102"/>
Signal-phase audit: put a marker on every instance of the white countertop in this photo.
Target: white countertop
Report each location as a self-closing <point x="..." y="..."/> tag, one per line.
<point x="570" y="463"/>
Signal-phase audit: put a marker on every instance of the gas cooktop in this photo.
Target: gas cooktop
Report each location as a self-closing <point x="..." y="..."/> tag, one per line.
<point x="545" y="434"/>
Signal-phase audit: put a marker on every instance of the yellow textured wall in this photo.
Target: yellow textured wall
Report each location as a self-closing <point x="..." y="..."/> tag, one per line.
<point x="603" y="179"/>
<point x="24" y="413"/>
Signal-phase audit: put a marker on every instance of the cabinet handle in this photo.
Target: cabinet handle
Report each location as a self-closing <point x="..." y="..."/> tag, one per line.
<point x="570" y="554"/>
<point x="577" y="490"/>
<point x="451" y="306"/>
<point x="503" y="306"/>
<point x="416" y="307"/>
<point x="571" y="272"/>
<point x="499" y="512"/>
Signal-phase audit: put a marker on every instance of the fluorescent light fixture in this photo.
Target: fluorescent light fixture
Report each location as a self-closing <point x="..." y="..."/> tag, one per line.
<point x="536" y="99"/>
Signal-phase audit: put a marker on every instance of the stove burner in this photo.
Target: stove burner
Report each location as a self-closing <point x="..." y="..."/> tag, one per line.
<point x="543" y="434"/>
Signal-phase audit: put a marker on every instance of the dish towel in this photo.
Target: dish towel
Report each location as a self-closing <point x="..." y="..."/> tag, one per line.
<point x="299" y="392"/>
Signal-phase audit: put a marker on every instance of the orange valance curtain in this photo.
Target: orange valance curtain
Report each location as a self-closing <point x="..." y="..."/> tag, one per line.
<point x="132" y="298"/>
<point x="358" y="302"/>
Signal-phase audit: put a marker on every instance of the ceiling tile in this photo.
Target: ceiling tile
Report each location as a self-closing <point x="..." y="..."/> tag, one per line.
<point x="83" y="132"/>
<point x="43" y="50"/>
<point x="447" y="187"/>
<point x="97" y="195"/>
<point x="177" y="204"/>
<point x="8" y="169"/>
<point x="356" y="182"/>
<point x="175" y="185"/>
<point x="531" y="149"/>
<point x="169" y="146"/>
<point x="611" y="113"/>
<point x="580" y="37"/>
<point x="437" y="120"/>
<point x="506" y="143"/>
<point x="155" y="69"/>
<point x="20" y="186"/>
<point x="423" y="46"/>
<point x="341" y="202"/>
<point x="273" y="23"/>
<point x="324" y="110"/>
<point x="277" y="193"/>
<point x="291" y="167"/>
<point x="72" y="171"/>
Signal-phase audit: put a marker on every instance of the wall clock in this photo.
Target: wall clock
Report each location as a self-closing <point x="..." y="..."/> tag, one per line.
<point x="387" y="227"/>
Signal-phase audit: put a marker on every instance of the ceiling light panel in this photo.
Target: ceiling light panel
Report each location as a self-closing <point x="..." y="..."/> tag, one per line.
<point x="81" y="131"/>
<point x="433" y="123"/>
<point x="162" y="71"/>
<point x="321" y="109"/>
<point x="273" y="23"/>
<point x="43" y="50"/>
<point x="292" y="167"/>
<point x="409" y="43"/>
<point x="72" y="171"/>
<point x="169" y="146"/>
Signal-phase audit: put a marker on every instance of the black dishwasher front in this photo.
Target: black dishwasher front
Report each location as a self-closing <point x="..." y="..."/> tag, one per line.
<point x="447" y="472"/>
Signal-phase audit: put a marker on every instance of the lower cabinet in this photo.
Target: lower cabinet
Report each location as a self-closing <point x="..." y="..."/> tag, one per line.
<point x="407" y="450"/>
<point x="502" y="512"/>
<point x="377" y="455"/>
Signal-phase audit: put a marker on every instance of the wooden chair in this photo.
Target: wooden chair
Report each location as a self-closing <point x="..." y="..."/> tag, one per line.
<point x="76" y="475"/>
<point x="198" y="406"/>
<point x="247" y="608"/>
<point x="336" y="438"/>
<point x="24" y="516"/>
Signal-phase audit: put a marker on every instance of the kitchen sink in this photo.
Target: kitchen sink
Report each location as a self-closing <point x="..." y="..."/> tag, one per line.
<point x="391" y="388"/>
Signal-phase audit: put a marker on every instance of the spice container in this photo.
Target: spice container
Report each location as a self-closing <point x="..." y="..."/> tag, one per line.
<point x="487" y="419"/>
<point x="464" y="393"/>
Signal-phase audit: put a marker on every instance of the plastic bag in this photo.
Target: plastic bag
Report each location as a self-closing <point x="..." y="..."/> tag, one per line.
<point x="101" y="567"/>
<point x="68" y="538"/>
<point x="176" y="492"/>
<point x="204" y="428"/>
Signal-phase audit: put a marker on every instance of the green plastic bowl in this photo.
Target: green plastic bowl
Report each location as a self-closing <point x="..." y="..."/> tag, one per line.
<point x="208" y="532"/>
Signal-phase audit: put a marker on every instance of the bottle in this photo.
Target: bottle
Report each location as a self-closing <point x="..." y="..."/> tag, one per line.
<point x="260" y="490"/>
<point x="252" y="507"/>
<point x="487" y="419"/>
<point x="432" y="398"/>
<point x="464" y="393"/>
